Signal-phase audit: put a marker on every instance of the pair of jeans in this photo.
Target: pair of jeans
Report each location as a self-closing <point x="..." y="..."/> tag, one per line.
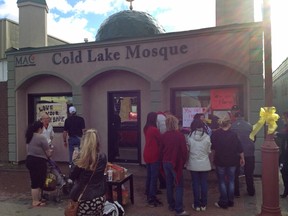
<point x="200" y="187"/>
<point x="248" y="172"/>
<point x="170" y="174"/>
<point x="226" y="177"/>
<point x="73" y="142"/>
<point x="151" y="180"/>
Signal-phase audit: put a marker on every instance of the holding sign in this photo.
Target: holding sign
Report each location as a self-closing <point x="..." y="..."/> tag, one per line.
<point x="56" y="111"/>
<point x="188" y="114"/>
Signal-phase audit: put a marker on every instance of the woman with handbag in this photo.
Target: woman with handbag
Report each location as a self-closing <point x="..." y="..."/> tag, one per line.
<point x="36" y="161"/>
<point x="88" y="176"/>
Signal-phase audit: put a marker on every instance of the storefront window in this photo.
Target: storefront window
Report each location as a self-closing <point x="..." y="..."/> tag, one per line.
<point x="211" y="102"/>
<point x="54" y="105"/>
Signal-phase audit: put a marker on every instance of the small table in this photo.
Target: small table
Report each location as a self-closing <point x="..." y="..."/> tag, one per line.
<point x="118" y="184"/>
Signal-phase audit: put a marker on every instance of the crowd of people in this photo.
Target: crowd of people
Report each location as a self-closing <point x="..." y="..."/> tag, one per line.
<point x="168" y="149"/>
<point x="167" y="152"/>
<point x="87" y="173"/>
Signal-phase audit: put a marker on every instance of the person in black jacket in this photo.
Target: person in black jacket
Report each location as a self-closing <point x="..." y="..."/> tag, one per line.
<point x="283" y="158"/>
<point x="89" y="162"/>
<point x="227" y="151"/>
<point x="243" y="129"/>
<point x="74" y="127"/>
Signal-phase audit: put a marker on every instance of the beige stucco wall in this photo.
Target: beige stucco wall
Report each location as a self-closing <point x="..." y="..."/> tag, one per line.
<point x="219" y="56"/>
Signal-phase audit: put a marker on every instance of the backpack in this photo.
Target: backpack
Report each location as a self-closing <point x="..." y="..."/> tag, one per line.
<point x="113" y="209"/>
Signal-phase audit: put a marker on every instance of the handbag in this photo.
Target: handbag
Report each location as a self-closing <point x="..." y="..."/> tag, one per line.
<point x="72" y="207"/>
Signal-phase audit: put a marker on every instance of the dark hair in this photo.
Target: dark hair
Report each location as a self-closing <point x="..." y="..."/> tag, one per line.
<point x="34" y="127"/>
<point x="198" y="124"/>
<point x="237" y="114"/>
<point x="151" y="120"/>
<point x="198" y="115"/>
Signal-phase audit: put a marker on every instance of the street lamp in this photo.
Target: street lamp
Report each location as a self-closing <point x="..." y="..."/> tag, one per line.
<point x="269" y="149"/>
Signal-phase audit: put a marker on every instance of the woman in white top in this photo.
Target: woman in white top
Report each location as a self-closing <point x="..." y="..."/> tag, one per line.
<point x="199" y="145"/>
<point x="47" y="127"/>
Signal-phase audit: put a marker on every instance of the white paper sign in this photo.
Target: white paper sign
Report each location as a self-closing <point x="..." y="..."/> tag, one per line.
<point x="188" y="114"/>
<point x="56" y="111"/>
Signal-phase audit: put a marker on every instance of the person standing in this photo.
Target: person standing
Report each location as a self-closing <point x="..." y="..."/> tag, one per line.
<point x="89" y="170"/>
<point x="174" y="156"/>
<point x="198" y="163"/>
<point x="38" y="152"/>
<point x="151" y="157"/>
<point x="74" y="126"/>
<point x="227" y="149"/>
<point x="161" y="125"/>
<point x="48" y="131"/>
<point x="283" y="159"/>
<point x="201" y="116"/>
<point x="243" y="129"/>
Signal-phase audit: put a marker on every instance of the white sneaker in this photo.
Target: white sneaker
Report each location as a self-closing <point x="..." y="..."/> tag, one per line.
<point x="203" y="208"/>
<point x="196" y="209"/>
<point x="184" y="213"/>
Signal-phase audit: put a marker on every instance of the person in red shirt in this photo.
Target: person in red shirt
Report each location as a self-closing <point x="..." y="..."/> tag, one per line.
<point x="151" y="157"/>
<point x="174" y="156"/>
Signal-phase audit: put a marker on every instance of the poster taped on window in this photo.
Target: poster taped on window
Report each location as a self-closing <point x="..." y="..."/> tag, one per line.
<point x="188" y="114"/>
<point x="56" y="111"/>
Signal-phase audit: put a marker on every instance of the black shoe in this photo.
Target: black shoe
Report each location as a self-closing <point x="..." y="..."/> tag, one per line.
<point x="220" y="206"/>
<point x="237" y="195"/>
<point x="284" y="195"/>
<point x="230" y="204"/>
<point x="251" y="193"/>
<point x="158" y="202"/>
<point x="154" y="203"/>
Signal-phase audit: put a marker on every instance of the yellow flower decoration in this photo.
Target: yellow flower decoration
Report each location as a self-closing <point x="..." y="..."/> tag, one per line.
<point x="268" y="115"/>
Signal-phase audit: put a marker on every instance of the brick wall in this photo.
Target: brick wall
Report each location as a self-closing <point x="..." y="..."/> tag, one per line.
<point x="3" y="122"/>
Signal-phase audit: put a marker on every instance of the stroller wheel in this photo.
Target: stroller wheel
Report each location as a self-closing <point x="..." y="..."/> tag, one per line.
<point x="66" y="189"/>
<point x="45" y="196"/>
<point x="57" y="199"/>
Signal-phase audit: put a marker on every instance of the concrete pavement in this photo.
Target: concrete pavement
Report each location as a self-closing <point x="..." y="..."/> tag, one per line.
<point x="15" y="198"/>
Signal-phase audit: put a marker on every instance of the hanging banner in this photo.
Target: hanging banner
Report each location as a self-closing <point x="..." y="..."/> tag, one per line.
<point x="223" y="99"/>
<point x="56" y="111"/>
<point x="188" y="114"/>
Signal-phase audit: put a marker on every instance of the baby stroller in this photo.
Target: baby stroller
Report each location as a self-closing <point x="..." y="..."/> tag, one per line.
<point x="56" y="183"/>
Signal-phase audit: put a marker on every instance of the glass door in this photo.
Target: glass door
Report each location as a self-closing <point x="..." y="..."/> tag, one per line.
<point x="124" y="134"/>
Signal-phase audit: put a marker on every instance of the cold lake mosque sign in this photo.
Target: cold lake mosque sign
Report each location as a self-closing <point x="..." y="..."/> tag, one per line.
<point x="106" y="55"/>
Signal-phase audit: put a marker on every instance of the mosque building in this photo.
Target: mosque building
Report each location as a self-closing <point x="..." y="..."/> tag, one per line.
<point x="132" y="68"/>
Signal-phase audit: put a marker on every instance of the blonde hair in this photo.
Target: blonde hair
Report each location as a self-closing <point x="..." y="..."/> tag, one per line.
<point x="44" y="115"/>
<point x="224" y="122"/>
<point x="172" y="123"/>
<point x="89" y="150"/>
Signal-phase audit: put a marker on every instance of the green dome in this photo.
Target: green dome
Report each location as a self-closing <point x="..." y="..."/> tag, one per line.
<point x="128" y="24"/>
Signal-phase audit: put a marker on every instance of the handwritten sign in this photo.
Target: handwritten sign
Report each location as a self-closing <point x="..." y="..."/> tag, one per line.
<point x="56" y="111"/>
<point x="188" y="114"/>
<point x="222" y="99"/>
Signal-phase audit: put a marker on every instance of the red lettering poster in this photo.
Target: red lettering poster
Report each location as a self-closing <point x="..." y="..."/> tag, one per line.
<point x="223" y="99"/>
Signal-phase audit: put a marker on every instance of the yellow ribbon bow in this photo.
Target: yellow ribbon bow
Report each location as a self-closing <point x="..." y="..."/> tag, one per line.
<point x="268" y="115"/>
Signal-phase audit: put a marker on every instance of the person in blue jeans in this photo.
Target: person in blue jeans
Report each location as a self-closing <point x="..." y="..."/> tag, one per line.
<point x="151" y="156"/>
<point x="174" y="155"/>
<point x="74" y="127"/>
<point x="199" y="145"/>
<point x="227" y="151"/>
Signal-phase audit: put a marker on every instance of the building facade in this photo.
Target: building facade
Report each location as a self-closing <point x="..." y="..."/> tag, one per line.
<point x="114" y="84"/>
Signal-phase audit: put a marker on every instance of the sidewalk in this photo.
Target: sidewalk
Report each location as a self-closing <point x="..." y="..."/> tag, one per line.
<point x="15" y="198"/>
